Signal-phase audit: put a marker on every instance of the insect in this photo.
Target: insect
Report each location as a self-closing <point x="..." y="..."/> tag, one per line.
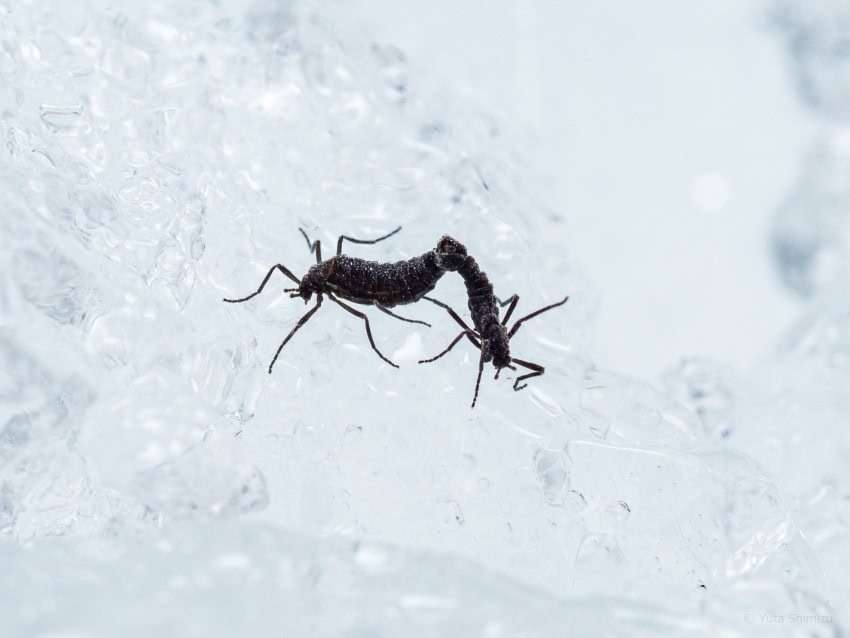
<point x="383" y="285"/>
<point x="490" y="335"/>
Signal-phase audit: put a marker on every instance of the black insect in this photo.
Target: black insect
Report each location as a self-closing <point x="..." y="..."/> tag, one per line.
<point x="383" y="285"/>
<point x="490" y="335"/>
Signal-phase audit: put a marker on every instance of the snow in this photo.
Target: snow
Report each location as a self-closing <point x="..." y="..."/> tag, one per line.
<point x="154" y="478"/>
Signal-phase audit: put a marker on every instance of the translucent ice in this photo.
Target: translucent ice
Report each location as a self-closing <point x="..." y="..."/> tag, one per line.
<point x="161" y="157"/>
<point x="791" y="416"/>
<point x="192" y="580"/>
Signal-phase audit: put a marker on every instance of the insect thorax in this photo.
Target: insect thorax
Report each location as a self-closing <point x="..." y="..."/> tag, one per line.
<point x="315" y="279"/>
<point x="494" y="343"/>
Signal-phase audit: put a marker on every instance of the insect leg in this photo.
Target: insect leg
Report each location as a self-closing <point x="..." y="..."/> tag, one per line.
<point x="316" y="246"/>
<point x="537" y="370"/>
<point x="453" y="344"/>
<point x="454" y="315"/>
<point x="506" y="301"/>
<point x="513" y="301"/>
<point x="478" y="380"/>
<point x="384" y="309"/>
<point x="499" y="370"/>
<point x="282" y="269"/>
<point x="300" y="323"/>
<point x="469" y="332"/>
<point x="362" y="241"/>
<point x="368" y="329"/>
<point x="534" y="314"/>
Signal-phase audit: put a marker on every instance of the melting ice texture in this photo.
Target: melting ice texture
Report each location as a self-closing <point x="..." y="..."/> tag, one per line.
<point x="154" y="477"/>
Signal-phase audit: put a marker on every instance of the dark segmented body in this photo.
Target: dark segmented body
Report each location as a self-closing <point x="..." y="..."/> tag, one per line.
<point x="386" y="285"/>
<point x="371" y="282"/>
<point x="383" y="285"/>
<point x="482" y="302"/>
<point x="490" y="335"/>
<point x="485" y="313"/>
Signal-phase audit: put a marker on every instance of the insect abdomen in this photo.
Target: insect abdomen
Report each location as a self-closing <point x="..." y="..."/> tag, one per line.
<point x="388" y="284"/>
<point x="485" y="312"/>
<point x="481" y="303"/>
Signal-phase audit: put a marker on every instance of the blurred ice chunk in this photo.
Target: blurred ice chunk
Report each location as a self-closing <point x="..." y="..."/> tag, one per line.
<point x="811" y="235"/>
<point x="818" y="33"/>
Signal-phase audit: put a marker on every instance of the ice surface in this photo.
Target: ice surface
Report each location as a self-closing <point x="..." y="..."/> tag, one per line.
<point x="155" y="479"/>
<point x="247" y="578"/>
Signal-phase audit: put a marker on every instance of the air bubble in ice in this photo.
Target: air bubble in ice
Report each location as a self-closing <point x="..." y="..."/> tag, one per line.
<point x="60" y="117"/>
<point x="551" y="472"/>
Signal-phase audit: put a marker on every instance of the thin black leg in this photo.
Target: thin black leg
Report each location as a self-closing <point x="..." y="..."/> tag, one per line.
<point x="499" y="370"/>
<point x="282" y="269"/>
<point x="300" y="323"/>
<point x="453" y="344"/>
<point x="316" y="246"/>
<point x="392" y="314"/>
<point x="534" y="314"/>
<point x="362" y="241"/>
<point x="470" y="334"/>
<point x="368" y="329"/>
<point x="478" y="379"/>
<point x="510" y="311"/>
<point x="506" y="301"/>
<point x="454" y="315"/>
<point x="537" y="371"/>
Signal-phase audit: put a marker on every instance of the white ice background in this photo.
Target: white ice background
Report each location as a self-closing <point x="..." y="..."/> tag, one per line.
<point x="156" y="480"/>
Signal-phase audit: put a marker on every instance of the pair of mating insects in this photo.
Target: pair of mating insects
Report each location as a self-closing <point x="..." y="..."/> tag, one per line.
<point x="385" y="285"/>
